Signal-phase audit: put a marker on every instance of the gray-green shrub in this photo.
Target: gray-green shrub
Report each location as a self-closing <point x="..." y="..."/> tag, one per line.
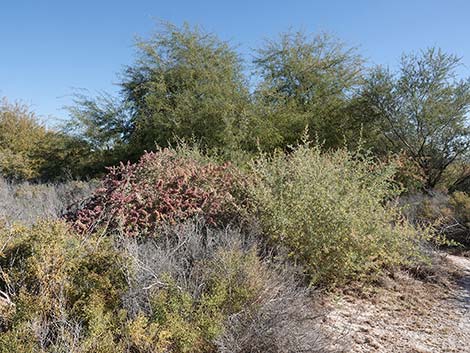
<point x="189" y="290"/>
<point x="333" y="212"/>
<point x="28" y="202"/>
<point x="448" y="213"/>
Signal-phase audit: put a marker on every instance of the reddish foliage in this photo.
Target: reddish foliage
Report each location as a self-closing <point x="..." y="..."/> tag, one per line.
<point x="162" y="188"/>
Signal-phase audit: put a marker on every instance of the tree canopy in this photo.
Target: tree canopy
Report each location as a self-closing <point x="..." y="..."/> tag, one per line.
<point x="30" y="151"/>
<point x="422" y="109"/>
<point x="306" y="81"/>
<point x="187" y="84"/>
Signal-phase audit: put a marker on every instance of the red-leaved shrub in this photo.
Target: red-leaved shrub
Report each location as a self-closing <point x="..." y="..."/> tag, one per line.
<point x="164" y="187"/>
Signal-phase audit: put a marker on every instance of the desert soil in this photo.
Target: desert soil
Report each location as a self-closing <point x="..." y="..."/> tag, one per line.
<point x="406" y="315"/>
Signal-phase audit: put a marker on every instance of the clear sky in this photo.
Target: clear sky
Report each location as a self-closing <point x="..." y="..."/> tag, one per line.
<point x="49" y="48"/>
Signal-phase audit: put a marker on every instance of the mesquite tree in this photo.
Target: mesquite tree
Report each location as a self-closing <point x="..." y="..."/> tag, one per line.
<point x="422" y="110"/>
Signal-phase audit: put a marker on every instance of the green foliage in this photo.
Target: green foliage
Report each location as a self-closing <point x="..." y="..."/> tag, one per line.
<point x="422" y="110"/>
<point x="101" y="125"/>
<point x="102" y="121"/>
<point x="186" y="83"/>
<point x="61" y="292"/>
<point x="21" y="138"/>
<point x="456" y="177"/>
<point x="29" y="151"/>
<point x="233" y="282"/>
<point x="305" y="81"/>
<point x="53" y="283"/>
<point x="408" y="172"/>
<point x="331" y="212"/>
<point x="448" y="213"/>
<point x="67" y="157"/>
<point x="447" y="208"/>
<point x="189" y="85"/>
<point x="460" y="203"/>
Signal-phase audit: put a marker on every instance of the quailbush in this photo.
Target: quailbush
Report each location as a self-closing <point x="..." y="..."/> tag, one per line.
<point x="333" y="212"/>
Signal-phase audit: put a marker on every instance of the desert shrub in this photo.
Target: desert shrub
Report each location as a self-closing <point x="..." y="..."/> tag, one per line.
<point x="193" y="322"/>
<point x="408" y="173"/>
<point x="189" y="280"/>
<point x="192" y="289"/>
<point x="58" y="290"/>
<point x="331" y="211"/>
<point x="455" y="178"/>
<point x="27" y="202"/>
<point x="448" y="213"/>
<point x="286" y="321"/>
<point x="21" y="137"/>
<point x="30" y="151"/>
<point x="208" y="290"/>
<point x="427" y="208"/>
<point x="460" y="204"/>
<point x="164" y="187"/>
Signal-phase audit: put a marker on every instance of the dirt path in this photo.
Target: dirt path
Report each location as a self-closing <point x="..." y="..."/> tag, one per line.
<point x="406" y="315"/>
<point x="463" y="293"/>
<point x="464" y="264"/>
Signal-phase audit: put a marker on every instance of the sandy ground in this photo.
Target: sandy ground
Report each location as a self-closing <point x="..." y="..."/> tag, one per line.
<point x="405" y="315"/>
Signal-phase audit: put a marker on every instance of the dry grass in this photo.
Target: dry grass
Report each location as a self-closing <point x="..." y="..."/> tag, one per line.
<point x="27" y="202"/>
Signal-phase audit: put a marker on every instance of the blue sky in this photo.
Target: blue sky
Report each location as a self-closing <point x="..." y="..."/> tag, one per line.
<point x="50" y="48"/>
